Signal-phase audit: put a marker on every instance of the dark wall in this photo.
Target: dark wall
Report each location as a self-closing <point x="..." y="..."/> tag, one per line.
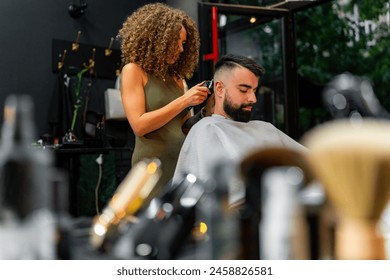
<point x="27" y="30"/>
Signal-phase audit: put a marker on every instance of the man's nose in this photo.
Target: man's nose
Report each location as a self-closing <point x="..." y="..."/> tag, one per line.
<point x="252" y="97"/>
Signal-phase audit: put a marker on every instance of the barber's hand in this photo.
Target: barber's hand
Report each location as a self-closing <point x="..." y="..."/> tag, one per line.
<point x="196" y="95"/>
<point x="210" y="105"/>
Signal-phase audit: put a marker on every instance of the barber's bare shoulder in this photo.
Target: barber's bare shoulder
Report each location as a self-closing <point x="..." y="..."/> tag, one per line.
<point x="134" y="72"/>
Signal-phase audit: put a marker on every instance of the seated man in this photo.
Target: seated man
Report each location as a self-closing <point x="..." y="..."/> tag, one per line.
<point x="228" y="134"/>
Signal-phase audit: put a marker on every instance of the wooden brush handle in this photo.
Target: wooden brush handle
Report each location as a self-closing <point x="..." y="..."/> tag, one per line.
<point x="359" y="240"/>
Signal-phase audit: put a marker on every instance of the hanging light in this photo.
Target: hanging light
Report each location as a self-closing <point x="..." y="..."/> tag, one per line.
<point x="252" y="20"/>
<point x="76" y="11"/>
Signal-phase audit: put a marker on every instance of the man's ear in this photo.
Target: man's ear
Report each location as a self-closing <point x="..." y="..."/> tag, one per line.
<point x="218" y="89"/>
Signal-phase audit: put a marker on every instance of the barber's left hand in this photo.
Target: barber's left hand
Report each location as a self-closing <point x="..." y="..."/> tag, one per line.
<point x="210" y="104"/>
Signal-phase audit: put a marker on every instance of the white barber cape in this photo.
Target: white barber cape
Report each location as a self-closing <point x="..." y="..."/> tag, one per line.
<point x="216" y="139"/>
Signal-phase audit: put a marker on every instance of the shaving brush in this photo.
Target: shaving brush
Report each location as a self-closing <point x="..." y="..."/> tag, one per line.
<point x="352" y="161"/>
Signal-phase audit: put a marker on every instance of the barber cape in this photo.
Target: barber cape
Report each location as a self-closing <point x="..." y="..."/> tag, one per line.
<point x="216" y="140"/>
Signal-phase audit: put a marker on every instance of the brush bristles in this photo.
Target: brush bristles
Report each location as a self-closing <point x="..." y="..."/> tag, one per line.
<point x="353" y="163"/>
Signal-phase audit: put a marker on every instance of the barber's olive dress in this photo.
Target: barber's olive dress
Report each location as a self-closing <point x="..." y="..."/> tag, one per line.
<point x="165" y="142"/>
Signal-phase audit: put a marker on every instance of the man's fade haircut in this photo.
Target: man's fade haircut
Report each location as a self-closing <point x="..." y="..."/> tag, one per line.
<point x="231" y="61"/>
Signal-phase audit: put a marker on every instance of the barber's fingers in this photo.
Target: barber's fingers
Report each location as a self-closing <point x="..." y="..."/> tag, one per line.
<point x="210" y="101"/>
<point x="199" y="97"/>
<point x="210" y="104"/>
<point x="202" y="88"/>
<point x="196" y="95"/>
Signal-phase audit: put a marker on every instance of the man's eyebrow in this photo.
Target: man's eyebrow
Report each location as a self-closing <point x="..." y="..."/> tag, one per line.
<point x="244" y="85"/>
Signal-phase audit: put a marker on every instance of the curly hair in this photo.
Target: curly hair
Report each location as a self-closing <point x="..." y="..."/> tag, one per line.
<point x="149" y="37"/>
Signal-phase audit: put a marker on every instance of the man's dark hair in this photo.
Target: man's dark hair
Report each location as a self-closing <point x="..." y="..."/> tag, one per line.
<point x="231" y="61"/>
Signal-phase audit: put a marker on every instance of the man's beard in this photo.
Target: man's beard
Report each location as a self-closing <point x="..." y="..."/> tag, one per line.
<point x="237" y="114"/>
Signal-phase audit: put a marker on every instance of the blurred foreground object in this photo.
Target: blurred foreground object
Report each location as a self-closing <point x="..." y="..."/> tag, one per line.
<point x="166" y="225"/>
<point x="27" y="222"/>
<point x="352" y="160"/>
<point x="126" y="201"/>
<point x="349" y="96"/>
<point x="279" y="199"/>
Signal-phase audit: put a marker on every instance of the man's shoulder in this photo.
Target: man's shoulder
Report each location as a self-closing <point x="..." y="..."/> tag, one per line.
<point x="205" y="128"/>
<point x="215" y="122"/>
<point x="263" y="124"/>
<point x="204" y="122"/>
